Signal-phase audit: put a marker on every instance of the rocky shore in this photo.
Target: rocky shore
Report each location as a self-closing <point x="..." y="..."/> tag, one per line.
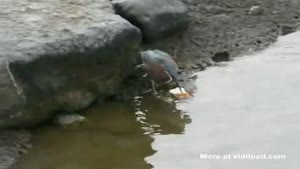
<point x="61" y="56"/>
<point x="13" y="144"/>
<point x="221" y="30"/>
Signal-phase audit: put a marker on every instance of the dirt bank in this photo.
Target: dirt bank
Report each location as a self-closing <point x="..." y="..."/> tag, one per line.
<point x="230" y="28"/>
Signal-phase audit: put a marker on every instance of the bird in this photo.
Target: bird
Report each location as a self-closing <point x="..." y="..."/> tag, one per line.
<point x="160" y="67"/>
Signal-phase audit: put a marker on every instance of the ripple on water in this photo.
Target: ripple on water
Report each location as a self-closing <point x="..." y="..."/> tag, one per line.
<point x="249" y="106"/>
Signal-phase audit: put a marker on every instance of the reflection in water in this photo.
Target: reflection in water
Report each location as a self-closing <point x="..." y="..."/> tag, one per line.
<point x="163" y="117"/>
<point x="251" y="106"/>
<point x="112" y="138"/>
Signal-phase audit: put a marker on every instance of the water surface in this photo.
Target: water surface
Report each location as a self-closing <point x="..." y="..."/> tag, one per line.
<point x="250" y="106"/>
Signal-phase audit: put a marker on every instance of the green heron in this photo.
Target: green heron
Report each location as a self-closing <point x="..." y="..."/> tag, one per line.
<point x="160" y="67"/>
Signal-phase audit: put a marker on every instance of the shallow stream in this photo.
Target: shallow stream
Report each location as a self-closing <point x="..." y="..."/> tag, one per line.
<point x="249" y="106"/>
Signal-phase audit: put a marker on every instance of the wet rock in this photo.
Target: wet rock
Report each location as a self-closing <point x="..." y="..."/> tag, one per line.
<point x="74" y="100"/>
<point x="209" y="61"/>
<point x="194" y="77"/>
<point x="156" y="18"/>
<point x="138" y="97"/>
<point x="255" y="10"/>
<point x="221" y="57"/>
<point x="286" y="29"/>
<point x="50" y="50"/>
<point x="196" y="66"/>
<point x="12" y="145"/>
<point x="68" y="120"/>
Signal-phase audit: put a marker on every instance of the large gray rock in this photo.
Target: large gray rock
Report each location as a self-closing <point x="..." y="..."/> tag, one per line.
<point x="156" y="18"/>
<point x="60" y="55"/>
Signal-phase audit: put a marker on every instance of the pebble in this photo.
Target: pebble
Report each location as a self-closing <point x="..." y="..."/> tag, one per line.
<point x="138" y="97"/>
<point x="140" y="118"/>
<point x="69" y="119"/>
<point x="255" y="10"/>
<point x="195" y="66"/>
<point x="139" y="113"/>
<point x="194" y="77"/>
<point x="286" y="29"/>
<point x="22" y="151"/>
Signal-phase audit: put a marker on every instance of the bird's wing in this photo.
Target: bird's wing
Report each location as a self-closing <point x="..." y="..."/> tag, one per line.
<point x="166" y="59"/>
<point x="163" y="54"/>
<point x="160" y="57"/>
<point x="149" y="57"/>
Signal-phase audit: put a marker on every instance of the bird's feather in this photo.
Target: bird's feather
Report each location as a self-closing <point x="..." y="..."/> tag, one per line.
<point x="162" y="58"/>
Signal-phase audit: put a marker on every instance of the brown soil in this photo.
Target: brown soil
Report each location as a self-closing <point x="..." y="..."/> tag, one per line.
<point x="220" y="30"/>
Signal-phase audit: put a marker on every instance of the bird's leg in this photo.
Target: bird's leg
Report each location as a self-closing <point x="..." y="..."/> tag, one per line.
<point x="153" y="87"/>
<point x="181" y="90"/>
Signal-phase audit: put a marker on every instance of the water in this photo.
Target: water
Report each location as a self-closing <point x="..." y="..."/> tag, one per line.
<point x="250" y="106"/>
<point x="114" y="137"/>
